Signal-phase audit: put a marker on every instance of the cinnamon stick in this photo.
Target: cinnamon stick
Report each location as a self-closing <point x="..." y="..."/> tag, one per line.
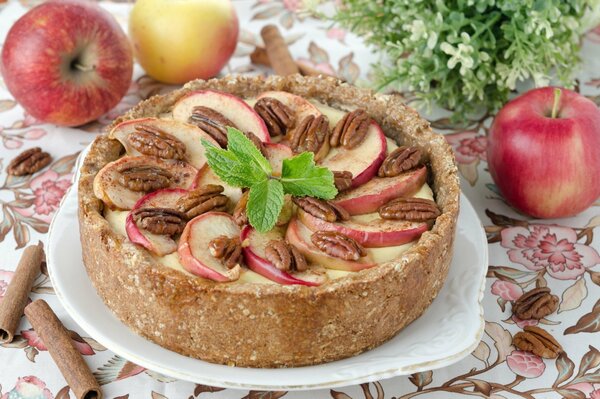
<point x="17" y="293"/>
<point x="279" y="55"/>
<point x="259" y="57"/>
<point x="63" y="352"/>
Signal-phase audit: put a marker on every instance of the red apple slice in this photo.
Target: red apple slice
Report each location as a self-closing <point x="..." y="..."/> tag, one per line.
<point x="193" y="246"/>
<point x="254" y="256"/>
<point x="362" y="161"/>
<point x="230" y="106"/>
<point x="158" y="244"/>
<point x="116" y="196"/>
<point x="369" y="230"/>
<point x="276" y="153"/>
<point x="189" y="135"/>
<point x="299" y="105"/>
<point x="207" y="176"/>
<point x="380" y="190"/>
<point x="298" y="235"/>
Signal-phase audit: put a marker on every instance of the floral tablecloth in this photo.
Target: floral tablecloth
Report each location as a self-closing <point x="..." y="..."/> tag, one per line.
<point x="562" y="254"/>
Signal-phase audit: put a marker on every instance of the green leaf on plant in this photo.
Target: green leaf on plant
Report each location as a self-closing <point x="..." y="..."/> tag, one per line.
<point x="301" y="177"/>
<point x="264" y="204"/>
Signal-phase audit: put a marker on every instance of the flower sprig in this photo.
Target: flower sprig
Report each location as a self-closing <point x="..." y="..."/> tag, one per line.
<point x="468" y="55"/>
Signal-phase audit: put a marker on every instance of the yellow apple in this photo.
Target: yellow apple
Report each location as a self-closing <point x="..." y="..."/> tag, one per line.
<point x="179" y="40"/>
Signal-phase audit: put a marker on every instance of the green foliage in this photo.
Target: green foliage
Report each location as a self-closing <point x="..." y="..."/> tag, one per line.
<point x="468" y="55"/>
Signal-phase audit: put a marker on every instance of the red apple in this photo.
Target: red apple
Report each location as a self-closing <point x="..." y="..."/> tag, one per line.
<point x="369" y="230"/>
<point x="67" y="62"/>
<point x="254" y="256"/>
<point x="158" y="244"/>
<point x="544" y="152"/>
<point x="380" y="190"/>
<point x="194" y="252"/>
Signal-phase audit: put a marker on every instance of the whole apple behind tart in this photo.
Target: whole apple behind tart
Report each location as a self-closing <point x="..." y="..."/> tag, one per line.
<point x="239" y="193"/>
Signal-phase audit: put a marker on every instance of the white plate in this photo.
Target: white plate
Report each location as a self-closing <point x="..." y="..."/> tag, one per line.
<point x="448" y="331"/>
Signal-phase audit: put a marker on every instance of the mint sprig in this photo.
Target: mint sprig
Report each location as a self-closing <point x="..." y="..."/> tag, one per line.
<point x="243" y="165"/>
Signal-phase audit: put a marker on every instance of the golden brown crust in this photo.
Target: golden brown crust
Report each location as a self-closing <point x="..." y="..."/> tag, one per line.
<point x="272" y="325"/>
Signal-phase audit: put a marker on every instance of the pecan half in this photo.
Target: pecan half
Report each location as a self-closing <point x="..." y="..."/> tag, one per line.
<point x="411" y="209"/>
<point x="277" y="116"/>
<point x="338" y="245"/>
<point x="535" y="304"/>
<point x="285" y="256"/>
<point x="228" y="250"/>
<point x="164" y="221"/>
<point x="537" y="341"/>
<point x="149" y="140"/>
<point x="342" y="180"/>
<point x="311" y="134"/>
<point x="212" y="122"/>
<point x="144" y="178"/>
<point x="351" y="130"/>
<point x="257" y="143"/>
<point x="28" y="162"/>
<point x="399" y="161"/>
<point x="321" y="209"/>
<point x="203" y="199"/>
<point x="239" y="212"/>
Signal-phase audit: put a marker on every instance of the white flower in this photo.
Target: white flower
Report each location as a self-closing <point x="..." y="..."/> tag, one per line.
<point x="417" y="29"/>
<point x="460" y="55"/>
<point x="432" y="41"/>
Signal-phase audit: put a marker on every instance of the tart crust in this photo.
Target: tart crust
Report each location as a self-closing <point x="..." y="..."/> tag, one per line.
<point x="271" y="325"/>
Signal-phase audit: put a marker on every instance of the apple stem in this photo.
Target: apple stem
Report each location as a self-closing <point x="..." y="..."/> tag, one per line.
<point x="84" y="68"/>
<point x="557" y="94"/>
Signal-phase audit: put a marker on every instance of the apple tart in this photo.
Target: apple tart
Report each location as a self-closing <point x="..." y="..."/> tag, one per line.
<point x="168" y="244"/>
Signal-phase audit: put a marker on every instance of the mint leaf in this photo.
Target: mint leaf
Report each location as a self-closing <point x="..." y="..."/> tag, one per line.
<point x="228" y="167"/>
<point x="301" y="177"/>
<point x="264" y="204"/>
<point x="246" y="151"/>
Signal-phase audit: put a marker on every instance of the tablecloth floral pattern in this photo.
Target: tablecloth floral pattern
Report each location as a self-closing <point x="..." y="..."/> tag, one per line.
<point x="561" y="254"/>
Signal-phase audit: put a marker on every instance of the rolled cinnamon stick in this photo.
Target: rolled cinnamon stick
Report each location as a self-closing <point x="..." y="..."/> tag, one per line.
<point x="17" y="293"/>
<point x="259" y="57"/>
<point x="279" y="55"/>
<point x="61" y="348"/>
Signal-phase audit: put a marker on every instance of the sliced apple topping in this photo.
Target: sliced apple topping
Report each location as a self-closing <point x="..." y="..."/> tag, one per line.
<point x="163" y="138"/>
<point x="214" y="111"/>
<point x="369" y="230"/>
<point x="276" y="153"/>
<point x="362" y="160"/>
<point x="154" y="221"/>
<point x="120" y="184"/>
<point x="299" y="236"/>
<point x="207" y="176"/>
<point x="299" y="106"/>
<point x="380" y="190"/>
<point x="255" y="246"/>
<point x="195" y="251"/>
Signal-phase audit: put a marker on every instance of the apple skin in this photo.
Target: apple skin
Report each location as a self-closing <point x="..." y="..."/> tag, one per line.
<point x="380" y="190"/>
<point x="298" y="235"/>
<point x="546" y="167"/>
<point x="39" y="56"/>
<point x="178" y="41"/>
<point x="397" y="233"/>
<point x="265" y="268"/>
